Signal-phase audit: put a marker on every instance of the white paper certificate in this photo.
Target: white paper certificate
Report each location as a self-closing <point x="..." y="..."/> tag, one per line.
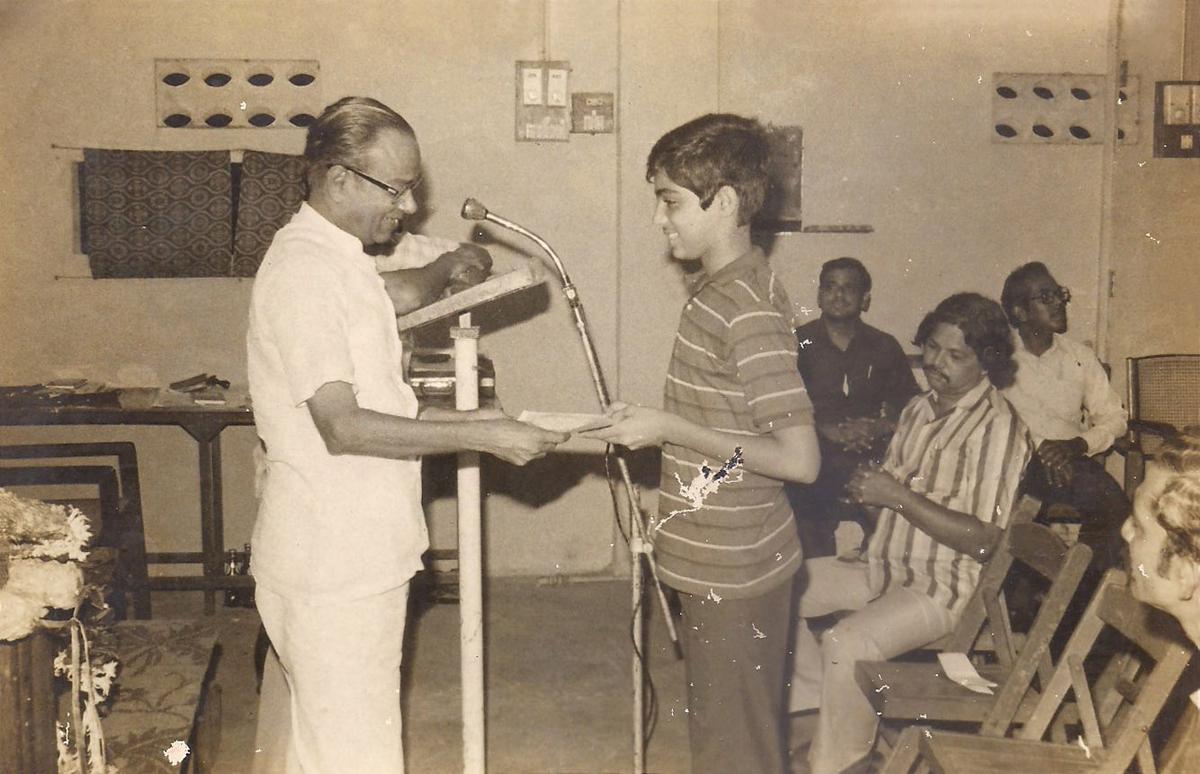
<point x="561" y="422"/>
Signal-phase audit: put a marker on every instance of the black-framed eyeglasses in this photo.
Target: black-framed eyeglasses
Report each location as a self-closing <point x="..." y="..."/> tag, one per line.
<point x="396" y="193"/>
<point x="1050" y="296"/>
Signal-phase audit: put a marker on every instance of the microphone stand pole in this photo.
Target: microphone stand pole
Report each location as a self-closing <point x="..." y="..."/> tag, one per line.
<point x="640" y="547"/>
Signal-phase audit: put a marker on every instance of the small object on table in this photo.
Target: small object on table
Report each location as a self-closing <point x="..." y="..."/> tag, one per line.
<point x="199" y="382"/>
<point x="65" y="385"/>
<point x="209" y="396"/>
<point x="191" y="383"/>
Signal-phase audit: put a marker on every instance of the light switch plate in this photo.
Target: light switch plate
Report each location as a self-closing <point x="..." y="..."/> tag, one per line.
<point x="542" y="112"/>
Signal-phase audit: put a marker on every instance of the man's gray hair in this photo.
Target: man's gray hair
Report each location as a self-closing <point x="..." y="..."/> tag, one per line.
<point x="345" y="130"/>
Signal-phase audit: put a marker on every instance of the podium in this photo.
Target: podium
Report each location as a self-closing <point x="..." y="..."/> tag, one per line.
<point x="466" y="389"/>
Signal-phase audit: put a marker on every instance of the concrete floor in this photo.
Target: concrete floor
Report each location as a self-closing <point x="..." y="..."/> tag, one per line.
<point x="558" y="686"/>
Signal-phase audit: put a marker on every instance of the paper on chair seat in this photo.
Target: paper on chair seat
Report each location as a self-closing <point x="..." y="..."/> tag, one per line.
<point x="959" y="669"/>
<point x="561" y="422"/>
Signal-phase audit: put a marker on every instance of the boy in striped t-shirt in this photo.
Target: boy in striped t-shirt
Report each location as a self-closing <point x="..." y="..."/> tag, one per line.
<point x="736" y="423"/>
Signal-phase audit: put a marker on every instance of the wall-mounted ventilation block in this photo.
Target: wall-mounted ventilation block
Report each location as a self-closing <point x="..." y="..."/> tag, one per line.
<point x="1060" y="108"/>
<point x="237" y="93"/>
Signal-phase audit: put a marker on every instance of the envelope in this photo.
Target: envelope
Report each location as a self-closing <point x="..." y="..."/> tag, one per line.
<point x="565" y="422"/>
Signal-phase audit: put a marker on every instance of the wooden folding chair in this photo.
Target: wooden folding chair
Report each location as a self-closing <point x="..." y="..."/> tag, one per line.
<point x="908" y="692"/>
<point x="1114" y="711"/>
<point x="970" y="628"/>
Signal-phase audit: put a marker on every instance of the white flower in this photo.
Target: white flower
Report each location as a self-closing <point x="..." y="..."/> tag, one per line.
<point x="53" y="584"/>
<point x="103" y="677"/>
<point x="18" y="615"/>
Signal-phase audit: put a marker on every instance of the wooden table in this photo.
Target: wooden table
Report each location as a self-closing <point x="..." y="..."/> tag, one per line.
<point x="129" y="407"/>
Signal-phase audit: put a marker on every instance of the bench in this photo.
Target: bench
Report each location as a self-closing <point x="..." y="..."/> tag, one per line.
<point x="165" y="693"/>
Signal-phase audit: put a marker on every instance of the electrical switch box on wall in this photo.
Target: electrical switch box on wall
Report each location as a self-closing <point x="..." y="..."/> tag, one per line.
<point x="593" y="112"/>
<point x="1177" y="119"/>
<point x="543" y="111"/>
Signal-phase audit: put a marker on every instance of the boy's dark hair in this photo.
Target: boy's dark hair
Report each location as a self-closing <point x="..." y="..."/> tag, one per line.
<point x="1016" y="286"/>
<point x="345" y="130"/>
<point x="715" y="150"/>
<point x="984" y="328"/>
<point x="852" y="264"/>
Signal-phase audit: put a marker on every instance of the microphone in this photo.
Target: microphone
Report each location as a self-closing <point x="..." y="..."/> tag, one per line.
<point x="473" y="209"/>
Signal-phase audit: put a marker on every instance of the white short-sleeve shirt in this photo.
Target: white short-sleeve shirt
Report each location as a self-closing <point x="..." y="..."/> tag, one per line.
<point x="328" y="527"/>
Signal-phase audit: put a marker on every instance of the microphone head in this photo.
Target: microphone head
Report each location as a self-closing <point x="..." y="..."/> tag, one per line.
<point x="473" y="210"/>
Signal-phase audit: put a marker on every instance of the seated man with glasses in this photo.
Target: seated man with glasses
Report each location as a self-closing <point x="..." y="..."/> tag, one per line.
<point x="1063" y="395"/>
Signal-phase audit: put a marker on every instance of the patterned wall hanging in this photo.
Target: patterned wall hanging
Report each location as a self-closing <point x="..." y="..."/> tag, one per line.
<point x="272" y="187"/>
<point x="157" y="214"/>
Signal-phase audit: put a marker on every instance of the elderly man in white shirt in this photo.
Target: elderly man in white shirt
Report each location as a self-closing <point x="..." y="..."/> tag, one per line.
<point x="340" y="530"/>
<point x="1064" y="396"/>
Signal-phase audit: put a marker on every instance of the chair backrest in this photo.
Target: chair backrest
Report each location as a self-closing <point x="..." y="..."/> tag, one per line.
<point x="1035" y="549"/>
<point x="1117" y="709"/>
<point x="1164" y="388"/>
<point x="975" y="614"/>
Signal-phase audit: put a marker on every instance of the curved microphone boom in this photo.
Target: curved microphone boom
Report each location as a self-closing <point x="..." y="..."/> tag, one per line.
<point x="639" y="544"/>
<point x="473" y="209"/>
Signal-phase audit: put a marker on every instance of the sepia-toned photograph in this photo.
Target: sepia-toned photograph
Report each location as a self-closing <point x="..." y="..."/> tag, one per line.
<point x="599" y="386"/>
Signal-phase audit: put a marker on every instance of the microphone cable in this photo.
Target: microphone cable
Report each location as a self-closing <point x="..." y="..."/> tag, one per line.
<point x="650" y="710"/>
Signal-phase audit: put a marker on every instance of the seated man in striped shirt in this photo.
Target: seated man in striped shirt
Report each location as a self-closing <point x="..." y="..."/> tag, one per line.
<point x="736" y="423"/>
<point x="942" y="498"/>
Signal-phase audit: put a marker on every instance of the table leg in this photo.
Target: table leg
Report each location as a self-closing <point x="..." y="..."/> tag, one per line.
<point x="212" y="520"/>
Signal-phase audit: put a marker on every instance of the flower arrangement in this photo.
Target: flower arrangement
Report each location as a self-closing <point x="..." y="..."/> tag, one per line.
<point x="42" y="547"/>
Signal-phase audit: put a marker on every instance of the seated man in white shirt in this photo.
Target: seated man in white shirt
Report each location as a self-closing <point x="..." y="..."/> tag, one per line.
<point x="1065" y="398"/>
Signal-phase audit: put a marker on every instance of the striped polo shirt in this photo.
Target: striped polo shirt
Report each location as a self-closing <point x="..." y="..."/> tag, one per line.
<point x="721" y="529"/>
<point x="969" y="460"/>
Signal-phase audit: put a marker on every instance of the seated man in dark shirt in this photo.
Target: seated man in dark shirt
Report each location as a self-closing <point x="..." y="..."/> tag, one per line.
<point x="858" y="379"/>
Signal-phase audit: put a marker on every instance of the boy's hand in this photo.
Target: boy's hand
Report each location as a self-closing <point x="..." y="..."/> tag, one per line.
<point x="635" y="427"/>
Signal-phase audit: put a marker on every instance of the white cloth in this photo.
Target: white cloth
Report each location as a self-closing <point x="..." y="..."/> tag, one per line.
<point x="329" y="527"/>
<point x="1064" y="393"/>
<point x="337" y="708"/>
<point x="414" y="251"/>
<point x="882" y="627"/>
